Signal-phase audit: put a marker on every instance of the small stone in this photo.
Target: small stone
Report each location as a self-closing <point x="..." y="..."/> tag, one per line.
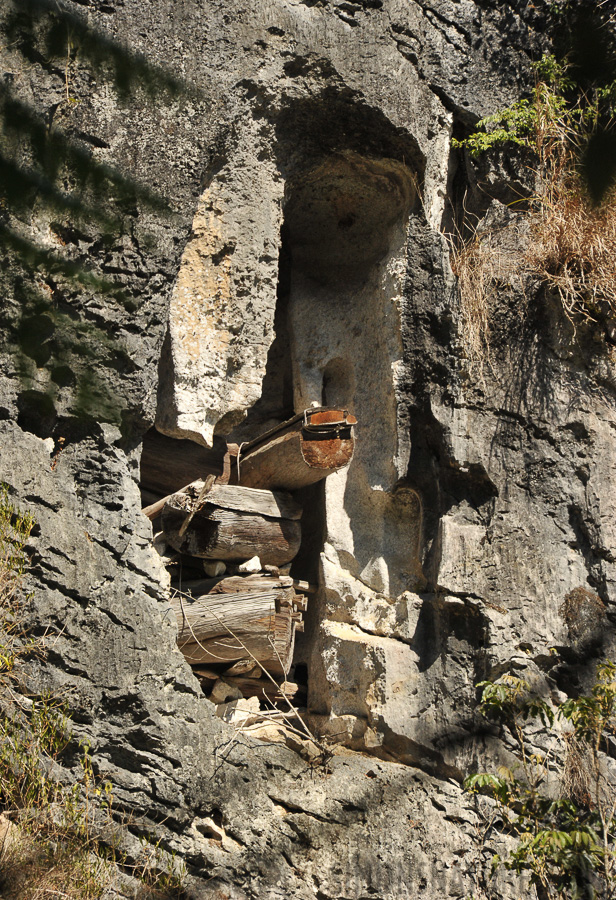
<point x="111" y="433"/>
<point x="214" y="567"/>
<point x="251" y="566"/>
<point x="223" y="692"/>
<point x="240" y="712"/>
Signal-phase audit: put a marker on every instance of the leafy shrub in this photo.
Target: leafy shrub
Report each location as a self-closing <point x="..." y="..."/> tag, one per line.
<point x="525" y="122"/>
<point x="566" y="839"/>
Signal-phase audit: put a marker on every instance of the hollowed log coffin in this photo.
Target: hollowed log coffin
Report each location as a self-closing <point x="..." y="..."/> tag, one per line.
<point x="232" y="523"/>
<point x="301" y="451"/>
<point x="222" y="628"/>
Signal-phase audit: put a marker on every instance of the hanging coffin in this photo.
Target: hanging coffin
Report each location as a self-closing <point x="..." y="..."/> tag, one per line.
<point x="221" y="628"/>
<point x="301" y="451"/>
<point x="232" y="523"/>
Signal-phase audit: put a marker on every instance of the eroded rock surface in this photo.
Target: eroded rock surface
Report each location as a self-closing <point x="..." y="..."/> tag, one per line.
<point x="308" y="172"/>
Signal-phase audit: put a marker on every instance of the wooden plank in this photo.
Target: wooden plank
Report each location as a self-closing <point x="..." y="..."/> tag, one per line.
<point x="285" y="594"/>
<point x="304" y="586"/>
<point x="228" y="535"/>
<point x="300" y="603"/>
<point x="228" y="584"/>
<point x="276" y="504"/>
<point x="154" y="509"/>
<point x="257" y="582"/>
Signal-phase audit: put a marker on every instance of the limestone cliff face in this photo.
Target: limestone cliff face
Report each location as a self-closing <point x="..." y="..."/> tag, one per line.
<point x="308" y="168"/>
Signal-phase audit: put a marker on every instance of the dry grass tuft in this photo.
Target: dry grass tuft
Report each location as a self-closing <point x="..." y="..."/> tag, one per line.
<point x="51" y="834"/>
<point x="576" y="778"/>
<point x="35" y="870"/>
<point x="488" y="261"/>
<point x="570" y="250"/>
<point x="573" y="252"/>
<point x="570" y="243"/>
<point x="473" y="265"/>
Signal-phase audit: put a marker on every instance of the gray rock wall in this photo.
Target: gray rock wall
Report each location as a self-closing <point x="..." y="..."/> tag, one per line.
<point x="307" y="166"/>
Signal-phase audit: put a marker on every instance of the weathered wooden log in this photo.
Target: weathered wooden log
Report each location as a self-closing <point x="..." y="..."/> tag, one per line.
<point x="233" y="583"/>
<point x="299" y="452"/>
<point x="230" y="584"/>
<point x="284" y="586"/>
<point x="240" y="592"/>
<point x="233" y="524"/>
<point x="220" y="614"/>
<point x="225" y="627"/>
<point x="226" y="584"/>
<point x="167" y="464"/>
<point x="270" y="641"/>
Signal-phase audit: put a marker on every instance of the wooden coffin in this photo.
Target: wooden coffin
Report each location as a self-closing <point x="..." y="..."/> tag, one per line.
<point x="217" y="614"/>
<point x="221" y="628"/>
<point x="301" y="451"/>
<point x="232" y="523"/>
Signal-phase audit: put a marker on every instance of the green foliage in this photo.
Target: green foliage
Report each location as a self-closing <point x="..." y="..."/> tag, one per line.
<point x="565" y="841"/>
<point x="512" y="125"/>
<point x="568" y="128"/>
<point x="15" y="528"/>
<point x="523" y="121"/>
<point x="31" y="737"/>
<point x="563" y="110"/>
<point x="593" y="718"/>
